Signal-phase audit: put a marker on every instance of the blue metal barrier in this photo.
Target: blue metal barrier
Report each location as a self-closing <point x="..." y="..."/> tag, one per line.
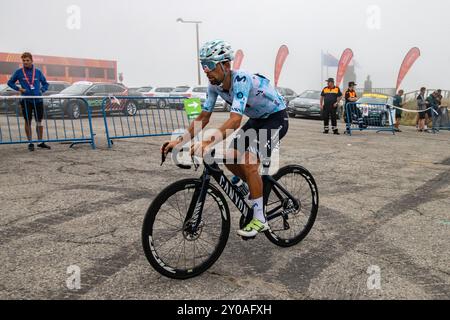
<point x="16" y="112"/>
<point x="369" y="116"/>
<point x="142" y="117"/>
<point x="442" y="120"/>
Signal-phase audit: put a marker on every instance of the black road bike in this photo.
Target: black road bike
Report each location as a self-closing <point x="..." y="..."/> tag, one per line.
<point x="186" y="227"/>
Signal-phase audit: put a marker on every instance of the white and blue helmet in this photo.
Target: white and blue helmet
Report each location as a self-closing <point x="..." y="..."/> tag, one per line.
<point x="217" y="51"/>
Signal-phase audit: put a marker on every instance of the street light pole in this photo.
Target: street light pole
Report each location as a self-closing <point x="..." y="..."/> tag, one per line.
<point x="197" y="23"/>
<point x="198" y="55"/>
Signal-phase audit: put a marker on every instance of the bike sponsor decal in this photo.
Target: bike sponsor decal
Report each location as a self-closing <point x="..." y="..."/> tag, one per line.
<point x="160" y="262"/>
<point x="234" y="196"/>
<point x="220" y="203"/>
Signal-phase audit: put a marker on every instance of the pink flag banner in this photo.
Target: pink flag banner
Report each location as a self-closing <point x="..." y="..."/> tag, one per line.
<point x="283" y="52"/>
<point x="410" y="59"/>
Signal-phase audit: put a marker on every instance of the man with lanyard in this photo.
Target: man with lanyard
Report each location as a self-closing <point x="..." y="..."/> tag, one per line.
<point x="33" y="83"/>
<point x="351" y="97"/>
<point x="398" y="103"/>
<point x="422" y="106"/>
<point x="250" y="95"/>
<point x="329" y="101"/>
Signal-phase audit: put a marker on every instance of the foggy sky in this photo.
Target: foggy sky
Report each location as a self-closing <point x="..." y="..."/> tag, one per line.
<point x="152" y="49"/>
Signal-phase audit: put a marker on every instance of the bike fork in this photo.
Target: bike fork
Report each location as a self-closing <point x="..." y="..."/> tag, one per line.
<point x="194" y="214"/>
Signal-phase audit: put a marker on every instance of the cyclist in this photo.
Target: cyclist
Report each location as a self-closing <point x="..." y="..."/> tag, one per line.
<point x="251" y="95"/>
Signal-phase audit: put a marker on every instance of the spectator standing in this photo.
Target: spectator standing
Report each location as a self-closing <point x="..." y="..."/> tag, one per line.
<point x="350" y="97"/>
<point x="398" y="103"/>
<point x="329" y="101"/>
<point x="33" y="83"/>
<point x="436" y="111"/>
<point x="422" y="105"/>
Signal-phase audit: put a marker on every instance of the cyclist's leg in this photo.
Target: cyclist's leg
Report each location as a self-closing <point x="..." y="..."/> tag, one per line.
<point x="255" y="184"/>
<point x="250" y="168"/>
<point x="269" y="133"/>
<point x="235" y="167"/>
<point x="237" y="149"/>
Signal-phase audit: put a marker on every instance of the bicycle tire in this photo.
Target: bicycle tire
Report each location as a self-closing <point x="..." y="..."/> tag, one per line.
<point x="312" y="213"/>
<point x="148" y="237"/>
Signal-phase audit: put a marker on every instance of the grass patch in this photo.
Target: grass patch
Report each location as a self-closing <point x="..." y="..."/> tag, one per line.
<point x="409" y="118"/>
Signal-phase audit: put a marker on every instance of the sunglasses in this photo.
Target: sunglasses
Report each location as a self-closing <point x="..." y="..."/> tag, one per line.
<point x="208" y="65"/>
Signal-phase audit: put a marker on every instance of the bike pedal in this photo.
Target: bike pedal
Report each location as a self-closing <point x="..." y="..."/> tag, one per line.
<point x="247" y="239"/>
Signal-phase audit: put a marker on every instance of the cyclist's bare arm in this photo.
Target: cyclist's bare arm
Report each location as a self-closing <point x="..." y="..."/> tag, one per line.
<point x="190" y="133"/>
<point x="228" y="127"/>
<point x="220" y="134"/>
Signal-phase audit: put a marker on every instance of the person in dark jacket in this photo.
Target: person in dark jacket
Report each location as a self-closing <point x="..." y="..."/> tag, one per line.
<point x="398" y="102"/>
<point x="435" y="105"/>
<point x="329" y="101"/>
<point x="33" y="84"/>
<point x="422" y="106"/>
<point x="350" y="108"/>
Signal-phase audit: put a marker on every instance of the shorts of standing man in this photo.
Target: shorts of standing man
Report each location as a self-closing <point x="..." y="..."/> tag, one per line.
<point x="422" y="115"/>
<point x="32" y="106"/>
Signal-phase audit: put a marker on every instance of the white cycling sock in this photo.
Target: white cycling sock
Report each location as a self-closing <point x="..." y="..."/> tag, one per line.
<point x="258" y="210"/>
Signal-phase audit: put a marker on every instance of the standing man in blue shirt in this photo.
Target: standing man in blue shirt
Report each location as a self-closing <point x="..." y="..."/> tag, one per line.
<point x="33" y="83"/>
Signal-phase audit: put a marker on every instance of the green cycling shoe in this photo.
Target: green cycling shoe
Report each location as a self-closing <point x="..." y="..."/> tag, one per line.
<point x="253" y="229"/>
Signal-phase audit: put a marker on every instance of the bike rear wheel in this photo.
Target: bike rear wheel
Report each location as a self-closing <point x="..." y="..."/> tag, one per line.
<point x="175" y="252"/>
<point x="289" y="230"/>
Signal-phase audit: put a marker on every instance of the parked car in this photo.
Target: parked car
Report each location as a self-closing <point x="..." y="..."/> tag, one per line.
<point x="145" y="90"/>
<point x="375" y="110"/>
<point x="180" y="92"/>
<point x="287" y="94"/>
<point x="307" y="105"/>
<point x="199" y="92"/>
<point x="8" y="106"/>
<point x="141" y="103"/>
<point x="75" y="108"/>
<point x="53" y="88"/>
<point x="158" y="92"/>
<point x="56" y="87"/>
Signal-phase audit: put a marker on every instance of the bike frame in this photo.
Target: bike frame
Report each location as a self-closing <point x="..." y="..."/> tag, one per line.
<point x="197" y="203"/>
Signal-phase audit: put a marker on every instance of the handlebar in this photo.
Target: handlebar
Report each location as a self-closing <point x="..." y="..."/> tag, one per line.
<point x="179" y="165"/>
<point x="196" y="165"/>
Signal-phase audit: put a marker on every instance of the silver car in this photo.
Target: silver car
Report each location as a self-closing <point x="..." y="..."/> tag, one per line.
<point x="287" y="94"/>
<point x="158" y="92"/>
<point x="199" y="92"/>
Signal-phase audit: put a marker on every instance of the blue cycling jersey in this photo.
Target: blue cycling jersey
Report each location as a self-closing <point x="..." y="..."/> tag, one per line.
<point x="250" y="94"/>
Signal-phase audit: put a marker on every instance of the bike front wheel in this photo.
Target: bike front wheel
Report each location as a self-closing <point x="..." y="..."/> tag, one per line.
<point x="291" y="229"/>
<point x="172" y="250"/>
